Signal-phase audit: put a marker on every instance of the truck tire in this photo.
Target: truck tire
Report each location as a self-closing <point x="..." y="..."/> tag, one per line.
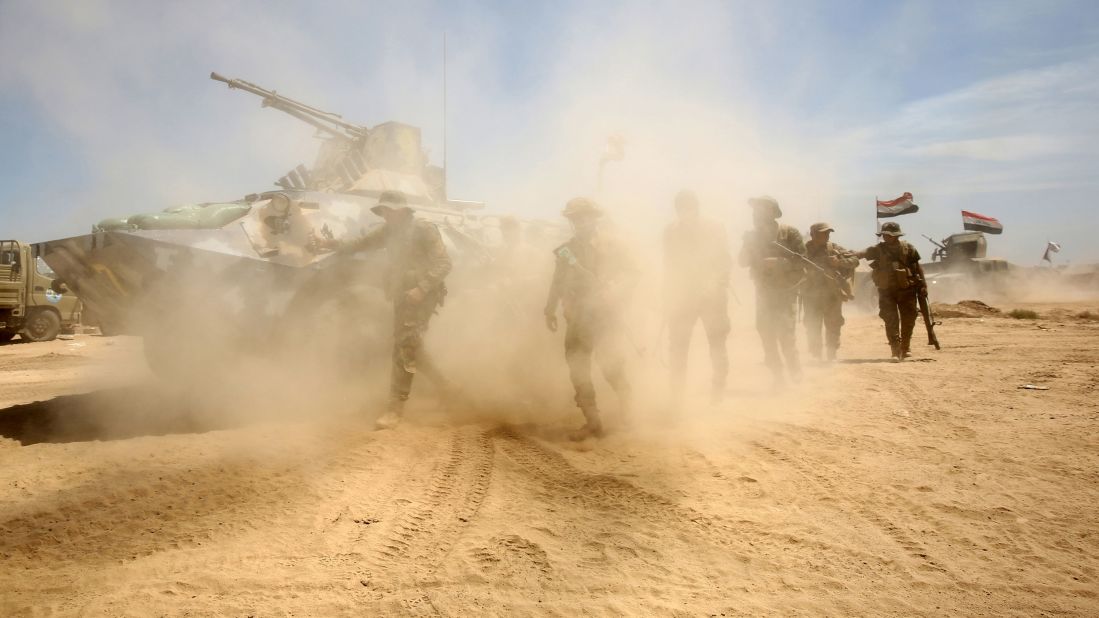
<point x="42" y="325"/>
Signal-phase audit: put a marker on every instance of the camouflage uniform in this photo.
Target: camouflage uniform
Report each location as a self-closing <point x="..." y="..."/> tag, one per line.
<point x="897" y="303"/>
<point x="777" y="276"/>
<point x="587" y="275"/>
<point x="823" y="301"/>
<point x="696" y="283"/>
<point x="417" y="259"/>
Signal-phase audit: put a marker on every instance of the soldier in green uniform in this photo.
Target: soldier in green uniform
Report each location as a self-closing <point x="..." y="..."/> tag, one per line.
<point x="823" y="299"/>
<point x="777" y="276"/>
<point x="418" y="266"/>
<point x="696" y="287"/>
<point x="899" y="278"/>
<point x="593" y="278"/>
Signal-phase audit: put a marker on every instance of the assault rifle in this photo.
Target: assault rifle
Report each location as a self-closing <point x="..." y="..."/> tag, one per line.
<point x="925" y="310"/>
<point x="842" y="285"/>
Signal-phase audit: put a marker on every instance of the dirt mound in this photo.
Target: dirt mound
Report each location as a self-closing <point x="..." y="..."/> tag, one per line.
<point x="1073" y="315"/>
<point x="965" y="309"/>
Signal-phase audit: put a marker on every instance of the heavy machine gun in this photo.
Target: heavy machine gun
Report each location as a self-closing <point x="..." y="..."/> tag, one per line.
<point x="940" y="251"/>
<point x="329" y="123"/>
<point x="354" y="158"/>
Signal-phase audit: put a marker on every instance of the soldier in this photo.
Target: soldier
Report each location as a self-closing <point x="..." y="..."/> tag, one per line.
<point x="696" y="283"/>
<point x="899" y="278"/>
<point x="823" y="298"/>
<point x="592" y="279"/>
<point x="777" y="275"/>
<point x="418" y="266"/>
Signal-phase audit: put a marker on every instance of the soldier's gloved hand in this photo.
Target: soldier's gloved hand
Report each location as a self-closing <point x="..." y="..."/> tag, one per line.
<point x="414" y="296"/>
<point x="551" y="322"/>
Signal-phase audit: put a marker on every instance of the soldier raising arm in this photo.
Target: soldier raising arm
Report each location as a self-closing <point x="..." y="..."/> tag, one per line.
<point x="897" y="274"/>
<point x="418" y="266"/>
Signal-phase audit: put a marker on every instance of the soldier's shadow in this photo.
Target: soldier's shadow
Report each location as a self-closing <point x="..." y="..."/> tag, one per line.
<point x="112" y="414"/>
<point x="863" y="361"/>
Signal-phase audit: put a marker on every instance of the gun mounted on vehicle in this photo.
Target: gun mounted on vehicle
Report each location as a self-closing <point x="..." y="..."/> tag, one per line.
<point x="244" y="268"/>
<point x="351" y="155"/>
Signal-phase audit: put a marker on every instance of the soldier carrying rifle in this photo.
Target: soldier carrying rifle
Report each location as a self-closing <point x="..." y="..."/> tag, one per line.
<point x="827" y="287"/>
<point x="900" y="281"/>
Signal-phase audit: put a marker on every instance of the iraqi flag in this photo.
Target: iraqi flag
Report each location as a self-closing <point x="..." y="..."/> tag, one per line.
<point x="980" y="223"/>
<point x="903" y="205"/>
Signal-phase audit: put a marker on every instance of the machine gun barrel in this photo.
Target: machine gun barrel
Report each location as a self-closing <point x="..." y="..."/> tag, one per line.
<point x="934" y="242"/>
<point x="327" y="122"/>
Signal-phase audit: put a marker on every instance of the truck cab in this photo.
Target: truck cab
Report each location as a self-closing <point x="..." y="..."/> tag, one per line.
<point x="34" y="303"/>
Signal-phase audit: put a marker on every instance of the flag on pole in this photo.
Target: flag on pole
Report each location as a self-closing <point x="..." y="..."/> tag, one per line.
<point x="1051" y="247"/>
<point x="903" y="205"/>
<point x="981" y="223"/>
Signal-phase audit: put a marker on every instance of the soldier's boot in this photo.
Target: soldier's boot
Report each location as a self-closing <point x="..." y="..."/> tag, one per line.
<point x="895" y="351"/>
<point x="906" y="348"/>
<point x="593" y="426"/>
<point x="393" y="414"/>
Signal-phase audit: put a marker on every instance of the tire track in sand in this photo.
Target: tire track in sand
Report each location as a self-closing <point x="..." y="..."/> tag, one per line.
<point x="824" y="491"/>
<point x="625" y="524"/>
<point x="424" y="535"/>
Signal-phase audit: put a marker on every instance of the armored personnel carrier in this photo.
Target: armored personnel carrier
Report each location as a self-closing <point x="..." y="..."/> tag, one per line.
<point x="960" y="268"/>
<point x="191" y="277"/>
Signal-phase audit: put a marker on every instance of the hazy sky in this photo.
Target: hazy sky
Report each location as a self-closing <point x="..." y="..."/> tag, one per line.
<point x="106" y="108"/>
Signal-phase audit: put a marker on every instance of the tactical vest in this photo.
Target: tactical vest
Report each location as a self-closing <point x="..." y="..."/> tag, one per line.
<point x="892" y="269"/>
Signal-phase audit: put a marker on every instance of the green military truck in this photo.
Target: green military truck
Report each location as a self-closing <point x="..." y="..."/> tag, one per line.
<point x="34" y="303"/>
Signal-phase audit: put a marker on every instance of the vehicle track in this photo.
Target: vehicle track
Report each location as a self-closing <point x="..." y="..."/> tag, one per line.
<point x="825" y="490"/>
<point x="425" y="534"/>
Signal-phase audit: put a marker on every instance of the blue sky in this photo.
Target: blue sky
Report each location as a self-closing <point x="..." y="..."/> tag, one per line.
<point x="106" y="109"/>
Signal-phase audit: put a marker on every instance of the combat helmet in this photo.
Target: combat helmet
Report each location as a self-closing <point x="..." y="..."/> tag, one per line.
<point x="581" y="206"/>
<point x="767" y="202"/>
<point x="890" y="229"/>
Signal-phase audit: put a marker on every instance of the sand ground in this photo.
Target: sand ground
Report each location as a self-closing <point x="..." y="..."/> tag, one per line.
<point x="935" y="487"/>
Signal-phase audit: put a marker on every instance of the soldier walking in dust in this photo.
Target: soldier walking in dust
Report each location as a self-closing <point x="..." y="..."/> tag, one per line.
<point x="418" y="266"/>
<point x="696" y="285"/>
<point x="823" y="298"/>
<point x="777" y="276"/>
<point x="900" y="279"/>
<point x="593" y="278"/>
